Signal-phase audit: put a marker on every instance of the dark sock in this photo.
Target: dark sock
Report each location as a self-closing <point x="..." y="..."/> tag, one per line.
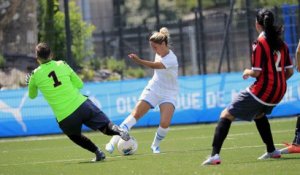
<point x="84" y="142"/>
<point x="297" y="132"/>
<point x="264" y="129"/>
<point x="110" y="130"/>
<point x="221" y="132"/>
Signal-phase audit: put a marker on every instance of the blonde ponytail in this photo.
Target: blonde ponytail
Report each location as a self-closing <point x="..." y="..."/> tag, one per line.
<point x="165" y="32"/>
<point x="161" y="36"/>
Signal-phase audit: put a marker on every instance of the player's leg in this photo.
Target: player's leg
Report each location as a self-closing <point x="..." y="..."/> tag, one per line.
<point x="87" y="144"/>
<point x="221" y="131"/>
<point x="71" y="126"/>
<point x="96" y="119"/>
<point x="166" y="114"/>
<point x="295" y="146"/>
<point x="84" y="142"/>
<point x="264" y="129"/>
<point x="114" y="130"/>
<point x="140" y="110"/>
<point x="243" y="107"/>
<point x="296" y="140"/>
<point x="220" y="135"/>
<point x="90" y="115"/>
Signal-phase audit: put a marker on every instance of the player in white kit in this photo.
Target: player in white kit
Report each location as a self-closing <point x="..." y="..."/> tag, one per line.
<point x="161" y="90"/>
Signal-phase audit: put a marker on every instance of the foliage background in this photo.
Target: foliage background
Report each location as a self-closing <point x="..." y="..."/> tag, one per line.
<point x="52" y="31"/>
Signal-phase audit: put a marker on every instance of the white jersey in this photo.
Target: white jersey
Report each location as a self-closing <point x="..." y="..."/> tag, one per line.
<point x="164" y="81"/>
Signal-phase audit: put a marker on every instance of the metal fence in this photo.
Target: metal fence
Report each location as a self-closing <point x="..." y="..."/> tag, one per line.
<point x="202" y="44"/>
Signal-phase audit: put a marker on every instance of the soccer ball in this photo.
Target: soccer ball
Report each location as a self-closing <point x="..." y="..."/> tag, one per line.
<point x="127" y="147"/>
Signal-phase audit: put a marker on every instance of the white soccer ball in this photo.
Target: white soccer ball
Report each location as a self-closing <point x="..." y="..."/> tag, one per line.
<point x="127" y="147"/>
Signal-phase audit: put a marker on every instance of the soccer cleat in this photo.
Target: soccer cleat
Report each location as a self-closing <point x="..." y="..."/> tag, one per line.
<point x="212" y="160"/>
<point x="109" y="148"/>
<point x="275" y="154"/>
<point x="99" y="156"/>
<point x="123" y="133"/>
<point x="290" y="149"/>
<point x="155" y="149"/>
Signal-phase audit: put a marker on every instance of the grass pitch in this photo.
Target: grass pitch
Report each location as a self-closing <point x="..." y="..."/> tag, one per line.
<point x="183" y="151"/>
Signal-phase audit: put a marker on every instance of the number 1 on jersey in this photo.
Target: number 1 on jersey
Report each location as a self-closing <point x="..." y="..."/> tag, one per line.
<point x="54" y="77"/>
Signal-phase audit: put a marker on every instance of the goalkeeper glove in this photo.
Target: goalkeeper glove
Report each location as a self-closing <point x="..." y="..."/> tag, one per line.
<point x="27" y="78"/>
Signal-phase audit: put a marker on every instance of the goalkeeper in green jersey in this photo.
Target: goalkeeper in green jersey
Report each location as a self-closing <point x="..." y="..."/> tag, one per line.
<point x="60" y="86"/>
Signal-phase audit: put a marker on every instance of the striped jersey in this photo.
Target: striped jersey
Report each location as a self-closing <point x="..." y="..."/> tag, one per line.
<point x="270" y="86"/>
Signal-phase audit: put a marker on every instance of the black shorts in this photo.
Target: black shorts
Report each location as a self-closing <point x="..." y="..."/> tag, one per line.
<point x="88" y="114"/>
<point x="245" y="107"/>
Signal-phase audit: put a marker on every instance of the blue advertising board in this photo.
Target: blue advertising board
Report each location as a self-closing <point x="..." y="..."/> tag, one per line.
<point x="201" y="99"/>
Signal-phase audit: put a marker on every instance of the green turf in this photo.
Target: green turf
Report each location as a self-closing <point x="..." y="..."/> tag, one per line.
<point x="183" y="151"/>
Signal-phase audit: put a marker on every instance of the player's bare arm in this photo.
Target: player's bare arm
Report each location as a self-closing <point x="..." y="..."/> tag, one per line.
<point x="250" y="73"/>
<point x="297" y="55"/>
<point x="150" y="64"/>
<point x="288" y="73"/>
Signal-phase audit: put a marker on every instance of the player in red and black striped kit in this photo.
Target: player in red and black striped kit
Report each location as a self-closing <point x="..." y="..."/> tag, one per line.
<point x="271" y="66"/>
<point x="270" y="86"/>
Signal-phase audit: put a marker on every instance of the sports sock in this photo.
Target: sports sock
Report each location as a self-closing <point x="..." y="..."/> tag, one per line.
<point x="159" y="135"/>
<point x="114" y="140"/>
<point x="264" y="129"/>
<point x="221" y="132"/>
<point x="84" y="142"/>
<point x="297" y="132"/>
<point x="127" y="124"/>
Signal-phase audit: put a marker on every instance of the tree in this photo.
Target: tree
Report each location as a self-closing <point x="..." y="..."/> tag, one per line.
<point x="138" y="11"/>
<point x="52" y="30"/>
<point x="271" y="3"/>
<point x="46" y="12"/>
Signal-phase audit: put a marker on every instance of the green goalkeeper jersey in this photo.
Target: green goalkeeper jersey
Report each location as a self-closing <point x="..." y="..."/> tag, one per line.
<point x="60" y="86"/>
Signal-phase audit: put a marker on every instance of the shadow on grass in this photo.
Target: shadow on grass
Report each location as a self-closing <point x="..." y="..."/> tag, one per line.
<point x="110" y="159"/>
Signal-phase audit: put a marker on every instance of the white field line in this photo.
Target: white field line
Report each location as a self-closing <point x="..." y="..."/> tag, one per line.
<point x="252" y="146"/>
<point x="59" y="137"/>
<point x="32" y="138"/>
<point x="229" y="137"/>
<point x="150" y="154"/>
<point x="71" y="160"/>
<point x="114" y="157"/>
<point x="140" y="130"/>
<point x="37" y="138"/>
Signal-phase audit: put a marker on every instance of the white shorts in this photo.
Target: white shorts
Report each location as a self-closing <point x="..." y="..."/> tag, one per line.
<point x="154" y="99"/>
